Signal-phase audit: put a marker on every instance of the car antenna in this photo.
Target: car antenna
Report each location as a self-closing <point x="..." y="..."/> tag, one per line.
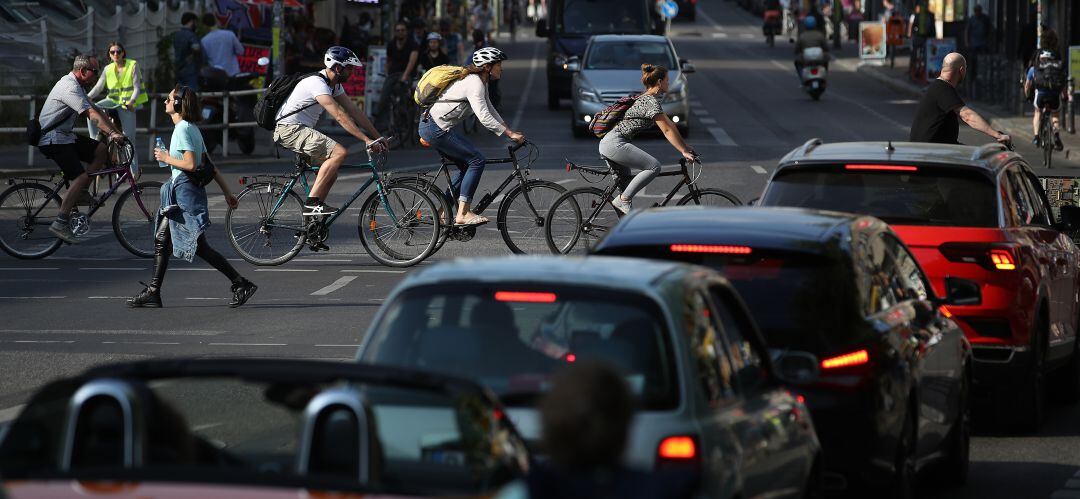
<point x="889" y="147"/>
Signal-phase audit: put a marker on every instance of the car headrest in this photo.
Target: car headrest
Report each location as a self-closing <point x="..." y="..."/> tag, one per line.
<point x="338" y="437"/>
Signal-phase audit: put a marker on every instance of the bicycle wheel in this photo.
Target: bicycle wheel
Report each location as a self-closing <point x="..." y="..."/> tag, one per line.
<point x="26" y="211"/>
<point x="134" y="216"/>
<point x="1047" y="133"/>
<point x="259" y="238"/>
<point x="710" y="197"/>
<point x="399" y="226"/>
<point x="438" y="197"/>
<point x="577" y="220"/>
<point x="522" y="215"/>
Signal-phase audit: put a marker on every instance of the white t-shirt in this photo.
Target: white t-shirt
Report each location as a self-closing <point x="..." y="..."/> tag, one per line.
<point x="464" y="98"/>
<point x="303" y="95"/>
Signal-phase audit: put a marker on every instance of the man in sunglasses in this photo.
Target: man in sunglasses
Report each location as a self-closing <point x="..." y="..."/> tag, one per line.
<point x="67" y="101"/>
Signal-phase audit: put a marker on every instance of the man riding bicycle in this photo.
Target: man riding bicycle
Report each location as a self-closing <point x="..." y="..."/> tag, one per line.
<point x="402" y="55"/>
<point x="295" y="129"/>
<point x="1047" y="77"/>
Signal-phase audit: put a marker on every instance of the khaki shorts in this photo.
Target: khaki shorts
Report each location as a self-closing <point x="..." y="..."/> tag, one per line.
<point x="305" y="140"/>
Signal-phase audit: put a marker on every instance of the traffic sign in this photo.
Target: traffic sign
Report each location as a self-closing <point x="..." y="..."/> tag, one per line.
<point x="669" y="9"/>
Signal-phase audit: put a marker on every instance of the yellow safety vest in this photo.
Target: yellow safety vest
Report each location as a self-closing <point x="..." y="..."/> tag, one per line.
<point x="121" y="88"/>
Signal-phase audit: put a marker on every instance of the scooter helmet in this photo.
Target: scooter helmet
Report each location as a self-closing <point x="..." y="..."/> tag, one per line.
<point x="434" y="36"/>
<point x="340" y="56"/>
<point x="487" y="55"/>
<point x="810" y="22"/>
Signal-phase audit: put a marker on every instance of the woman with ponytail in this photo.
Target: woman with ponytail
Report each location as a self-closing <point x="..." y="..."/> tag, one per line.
<point x="617" y="147"/>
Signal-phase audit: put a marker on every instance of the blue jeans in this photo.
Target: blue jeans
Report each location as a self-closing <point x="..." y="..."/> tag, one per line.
<point x="455" y="147"/>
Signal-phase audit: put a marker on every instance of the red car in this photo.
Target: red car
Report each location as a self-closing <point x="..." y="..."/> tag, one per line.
<point x="978" y="213"/>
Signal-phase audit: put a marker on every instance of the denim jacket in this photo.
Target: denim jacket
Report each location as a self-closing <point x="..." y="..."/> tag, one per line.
<point x="184" y="204"/>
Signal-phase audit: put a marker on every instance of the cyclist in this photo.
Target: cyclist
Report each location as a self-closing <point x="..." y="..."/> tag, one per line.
<point x="65" y="102"/>
<point x="433" y="55"/>
<point x="616" y="146"/>
<point x="461" y="99"/>
<point x="295" y="129"/>
<point x="1047" y="77"/>
<point x="401" y="57"/>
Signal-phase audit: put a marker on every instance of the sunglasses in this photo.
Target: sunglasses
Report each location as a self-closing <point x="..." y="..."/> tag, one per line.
<point x="116" y="51"/>
<point x="180" y="93"/>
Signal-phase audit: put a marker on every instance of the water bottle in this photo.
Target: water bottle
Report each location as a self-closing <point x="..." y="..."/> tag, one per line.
<point x="160" y="144"/>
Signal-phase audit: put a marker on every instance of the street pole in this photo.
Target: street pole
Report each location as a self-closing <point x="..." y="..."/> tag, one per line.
<point x="1038" y="25"/>
<point x="277" y="51"/>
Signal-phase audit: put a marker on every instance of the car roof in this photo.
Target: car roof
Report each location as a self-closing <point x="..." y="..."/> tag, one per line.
<point x="989" y="157"/>
<point x="619" y="273"/>
<point x="794" y="229"/>
<point x="629" y="38"/>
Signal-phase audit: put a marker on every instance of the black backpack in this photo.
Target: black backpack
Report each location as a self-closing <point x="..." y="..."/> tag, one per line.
<point x="275" y="96"/>
<point x="1050" y="75"/>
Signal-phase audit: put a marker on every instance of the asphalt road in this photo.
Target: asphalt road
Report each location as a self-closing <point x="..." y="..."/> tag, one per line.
<point x="65" y="313"/>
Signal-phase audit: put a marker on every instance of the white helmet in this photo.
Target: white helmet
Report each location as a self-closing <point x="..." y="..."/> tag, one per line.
<point x="340" y="55"/>
<point x="487" y="55"/>
<point x="434" y="36"/>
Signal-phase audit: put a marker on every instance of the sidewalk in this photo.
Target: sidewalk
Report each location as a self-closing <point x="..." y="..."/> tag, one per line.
<point x="1019" y="127"/>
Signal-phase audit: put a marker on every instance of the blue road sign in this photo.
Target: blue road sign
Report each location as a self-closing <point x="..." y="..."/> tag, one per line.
<point x="669" y="9"/>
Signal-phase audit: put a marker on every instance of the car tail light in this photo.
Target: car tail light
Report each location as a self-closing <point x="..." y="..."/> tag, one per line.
<point x="814" y="71"/>
<point x="525" y="296"/>
<point x="857" y="358"/>
<point x="994" y="256"/>
<point x="678" y="450"/>
<point x="711" y="248"/>
<point x="945" y="311"/>
<point x="882" y="168"/>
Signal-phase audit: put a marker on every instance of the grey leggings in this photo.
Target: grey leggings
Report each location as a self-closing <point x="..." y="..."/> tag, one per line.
<point x="627" y="155"/>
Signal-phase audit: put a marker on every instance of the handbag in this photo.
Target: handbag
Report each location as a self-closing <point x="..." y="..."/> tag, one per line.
<point x="203" y="173"/>
<point x="34" y="130"/>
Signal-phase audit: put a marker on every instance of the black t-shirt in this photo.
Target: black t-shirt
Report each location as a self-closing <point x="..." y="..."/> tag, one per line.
<point x="936" y="118"/>
<point x="427" y="62"/>
<point x="397" y="58"/>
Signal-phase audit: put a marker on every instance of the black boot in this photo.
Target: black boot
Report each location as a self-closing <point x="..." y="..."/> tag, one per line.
<point x="150" y="297"/>
<point x="241" y="292"/>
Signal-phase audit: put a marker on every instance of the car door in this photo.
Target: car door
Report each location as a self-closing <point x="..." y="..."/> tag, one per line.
<point x="940" y="345"/>
<point x="1062" y="267"/>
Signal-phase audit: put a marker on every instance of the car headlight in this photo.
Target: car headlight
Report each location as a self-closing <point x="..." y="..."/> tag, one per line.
<point x="675" y="96"/>
<point x="588" y="94"/>
<point x="559" y="59"/>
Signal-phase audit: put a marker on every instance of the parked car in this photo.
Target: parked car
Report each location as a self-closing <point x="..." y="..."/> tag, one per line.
<point x="708" y="394"/>
<point x="611" y="70"/>
<point x="974" y="212"/>
<point x="569" y="25"/>
<point x="853" y="325"/>
<point x="266" y="428"/>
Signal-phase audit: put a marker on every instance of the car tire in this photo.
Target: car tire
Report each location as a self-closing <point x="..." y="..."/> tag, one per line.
<point x="902" y="485"/>
<point x="1031" y="406"/>
<point x="954" y="470"/>
<point x="1067" y="379"/>
<point x="553" y="98"/>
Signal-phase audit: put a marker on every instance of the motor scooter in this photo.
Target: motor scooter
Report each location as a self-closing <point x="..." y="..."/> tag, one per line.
<point x="772" y="25"/>
<point x="241" y="108"/>
<point x="813" y="72"/>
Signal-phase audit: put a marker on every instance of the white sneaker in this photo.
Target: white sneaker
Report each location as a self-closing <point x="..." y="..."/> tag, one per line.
<point x="621" y="205"/>
<point x="62" y="229"/>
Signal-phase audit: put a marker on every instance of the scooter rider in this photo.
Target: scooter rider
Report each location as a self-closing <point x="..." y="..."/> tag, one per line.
<point x="810" y="37"/>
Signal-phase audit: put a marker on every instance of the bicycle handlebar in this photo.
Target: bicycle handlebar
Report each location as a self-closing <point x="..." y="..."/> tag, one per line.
<point x="514" y="147"/>
<point x="376" y="141"/>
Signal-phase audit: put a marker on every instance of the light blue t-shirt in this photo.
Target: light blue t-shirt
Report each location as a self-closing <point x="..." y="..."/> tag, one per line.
<point x="185" y="137"/>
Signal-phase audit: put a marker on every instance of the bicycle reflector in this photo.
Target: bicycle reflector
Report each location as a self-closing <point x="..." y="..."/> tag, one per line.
<point x="525" y="296"/>
<point x="711" y="248"/>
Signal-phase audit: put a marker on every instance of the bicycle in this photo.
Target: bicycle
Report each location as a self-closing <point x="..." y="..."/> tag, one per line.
<point x="268" y="226"/>
<point x="404" y="118"/>
<point x="1046" y="136"/>
<point x="586" y="215"/>
<point x="522" y="211"/>
<point x="29" y="206"/>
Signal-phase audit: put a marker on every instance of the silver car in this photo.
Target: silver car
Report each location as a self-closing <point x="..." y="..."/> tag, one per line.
<point x="611" y="69"/>
<point x="708" y="395"/>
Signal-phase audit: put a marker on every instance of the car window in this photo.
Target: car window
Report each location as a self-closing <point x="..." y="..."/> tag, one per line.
<point x="748" y="366"/>
<point x="1008" y="205"/>
<point x="912" y="280"/>
<point x="1040" y="211"/>
<point x="1020" y="197"/>
<point x="602" y="16"/>
<point x="877" y="274"/>
<point x="716" y="374"/>
<point x="629" y="55"/>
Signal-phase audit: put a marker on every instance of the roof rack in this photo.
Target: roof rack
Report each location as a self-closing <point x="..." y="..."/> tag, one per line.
<point x="809" y="146"/>
<point x="985" y="149"/>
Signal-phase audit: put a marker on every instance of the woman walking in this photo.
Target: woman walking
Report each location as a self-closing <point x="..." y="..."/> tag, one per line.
<point x="617" y="147"/>
<point x="183" y="215"/>
<point x="125" y="93"/>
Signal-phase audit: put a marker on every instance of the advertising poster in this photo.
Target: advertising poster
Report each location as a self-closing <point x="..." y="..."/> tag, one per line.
<point x="1074" y="62"/>
<point x="871" y="40"/>
<point x="375" y="67"/>
<point x="936" y="50"/>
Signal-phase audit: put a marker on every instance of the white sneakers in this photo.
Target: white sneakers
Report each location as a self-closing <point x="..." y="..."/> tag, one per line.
<point x="62" y="229"/>
<point x="620" y="204"/>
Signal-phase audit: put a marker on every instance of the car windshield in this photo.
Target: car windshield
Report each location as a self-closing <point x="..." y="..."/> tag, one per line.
<point x="629" y="55"/>
<point x="800" y="301"/>
<point x="513" y="339"/>
<point x="923" y="197"/>
<point x="603" y="16"/>
<point x="250" y="432"/>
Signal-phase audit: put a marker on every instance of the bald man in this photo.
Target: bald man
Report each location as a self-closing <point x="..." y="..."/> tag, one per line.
<point x="937" y="119"/>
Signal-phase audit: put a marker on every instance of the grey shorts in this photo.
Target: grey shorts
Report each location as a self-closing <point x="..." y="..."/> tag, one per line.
<point x="305" y="140"/>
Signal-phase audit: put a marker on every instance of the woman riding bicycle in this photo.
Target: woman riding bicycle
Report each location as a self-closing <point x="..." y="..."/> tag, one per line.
<point x="616" y="146"/>
<point x="460" y="100"/>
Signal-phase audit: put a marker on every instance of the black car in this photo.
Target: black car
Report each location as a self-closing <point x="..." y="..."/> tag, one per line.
<point x="569" y="25"/>
<point x="853" y="326"/>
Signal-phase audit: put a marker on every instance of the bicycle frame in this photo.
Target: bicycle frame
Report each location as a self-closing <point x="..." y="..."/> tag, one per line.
<point x="483" y="203"/>
<point x="301" y="178"/>
<point x="685" y="181"/>
<point x="125" y="174"/>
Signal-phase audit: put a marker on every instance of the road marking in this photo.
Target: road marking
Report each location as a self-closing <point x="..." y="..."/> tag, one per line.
<point x="45" y="341"/>
<point x="16" y="269"/>
<point x="373" y="271"/>
<point x="719" y="35"/>
<point x="194" y="269"/>
<point x="350" y="346"/>
<point x="903" y="101"/>
<point x="341" y="282"/>
<point x="701" y="112"/>
<point x="107" y="297"/>
<point x="206" y="298"/>
<point x="286" y="270"/>
<point x="721" y="136"/>
<point x="112" y="268"/>
<point x="249" y="344"/>
<point x="759" y="169"/>
<point x="10" y="413"/>
<point x="871" y="111"/>
<point x="533" y="64"/>
<point x="32" y="297"/>
<point x="707" y="121"/>
<point x="112" y="332"/>
<point x="746" y="35"/>
<point x="320" y="260"/>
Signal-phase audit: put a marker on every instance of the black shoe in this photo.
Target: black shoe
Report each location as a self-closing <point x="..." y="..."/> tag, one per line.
<point x="1058" y="145"/>
<point x="148" y="298"/>
<point x="319" y="209"/>
<point x="319" y="247"/>
<point x="1036" y="142"/>
<point x="241" y="292"/>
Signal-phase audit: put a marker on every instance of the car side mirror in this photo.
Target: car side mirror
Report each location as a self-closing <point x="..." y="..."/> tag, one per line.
<point x="541" y="28"/>
<point x="573" y="64"/>
<point x="686" y="66"/>
<point x="962" y="292"/>
<point x="795" y="367"/>
<point x="1069" y="219"/>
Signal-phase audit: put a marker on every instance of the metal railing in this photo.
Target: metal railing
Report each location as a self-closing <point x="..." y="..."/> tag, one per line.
<point x="153" y="130"/>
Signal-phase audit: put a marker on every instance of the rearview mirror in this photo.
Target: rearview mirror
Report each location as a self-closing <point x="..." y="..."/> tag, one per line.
<point x="795" y="367"/>
<point x="686" y="66"/>
<point x="573" y="64"/>
<point x="1069" y="219"/>
<point x="541" y="28"/>
<point x="962" y="292"/>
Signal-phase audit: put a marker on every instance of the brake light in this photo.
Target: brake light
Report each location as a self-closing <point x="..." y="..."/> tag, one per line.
<point x="525" y="296"/>
<point x="571" y="358"/>
<point x="945" y="311"/>
<point x="711" y="248"/>
<point x="995" y="256"/>
<point x="1002" y="259"/>
<point x="814" y="71"/>
<point x="847" y="360"/>
<point x="882" y="168"/>
<point x="678" y="448"/>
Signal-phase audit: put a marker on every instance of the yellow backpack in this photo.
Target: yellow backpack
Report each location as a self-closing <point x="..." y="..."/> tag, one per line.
<point x="434" y="82"/>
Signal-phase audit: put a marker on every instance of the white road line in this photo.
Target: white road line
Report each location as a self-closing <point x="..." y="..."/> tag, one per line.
<point x="866" y="108"/>
<point x="32" y="297"/>
<point x="16" y="269"/>
<point x="533" y="64"/>
<point x="44" y="341"/>
<point x="721" y="136"/>
<point x="202" y="298"/>
<point x="249" y="344"/>
<point x="341" y="282"/>
<point x="83" y="332"/>
<point x="707" y="121"/>
<point x="719" y="35"/>
<point x="194" y="269"/>
<point x="701" y="112"/>
<point x="286" y="270"/>
<point x="747" y="35"/>
<point x="10" y="413"/>
<point x="759" y="169"/>
<point x="107" y="297"/>
<point x="320" y="260"/>
<point x="373" y="271"/>
<point x="350" y="346"/>
<point x="112" y="268"/>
